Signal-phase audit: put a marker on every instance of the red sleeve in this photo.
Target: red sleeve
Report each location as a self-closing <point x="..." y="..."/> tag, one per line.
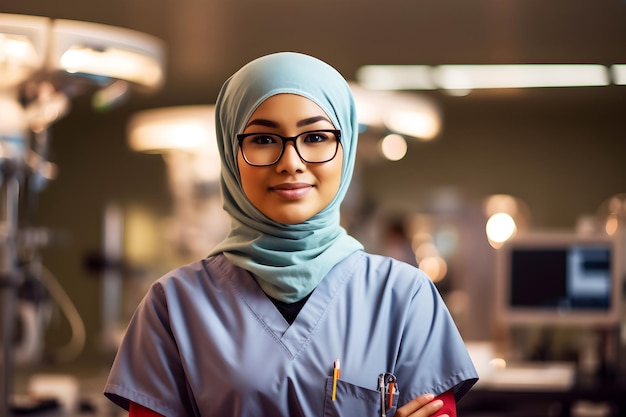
<point x="449" y="404"/>
<point x="137" y="410"/>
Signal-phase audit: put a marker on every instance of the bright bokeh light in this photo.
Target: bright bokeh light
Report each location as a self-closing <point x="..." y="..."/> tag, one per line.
<point x="612" y="214"/>
<point x="18" y="59"/>
<point x="500" y="227"/>
<point x="612" y="224"/>
<point x="17" y="49"/>
<point x="507" y="216"/>
<point x="413" y="123"/>
<point x="180" y="127"/>
<point x="113" y="62"/>
<point x="435" y="267"/>
<point x="498" y="363"/>
<point x="393" y="147"/>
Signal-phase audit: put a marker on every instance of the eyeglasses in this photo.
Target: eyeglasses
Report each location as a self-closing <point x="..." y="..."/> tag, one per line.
<point x="265" y="149"/>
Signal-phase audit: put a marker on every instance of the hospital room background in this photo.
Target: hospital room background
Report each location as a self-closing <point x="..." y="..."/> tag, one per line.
<point x="492" y="138"/>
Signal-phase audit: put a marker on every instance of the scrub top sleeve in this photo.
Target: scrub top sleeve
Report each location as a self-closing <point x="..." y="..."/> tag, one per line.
<point x="147" y="369"/>
<point x="433" y="357"/>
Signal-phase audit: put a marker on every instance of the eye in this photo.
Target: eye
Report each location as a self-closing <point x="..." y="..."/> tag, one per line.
<point x="316" y="137"/>
<point x="262" y="139"/>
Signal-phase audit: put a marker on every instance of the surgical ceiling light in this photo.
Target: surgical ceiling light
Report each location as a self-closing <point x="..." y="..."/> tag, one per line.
<point x="45" y="62"/>
<point x="469" y="77"/>
<point x="102" y="51"/>
<point x="49" y="48"/>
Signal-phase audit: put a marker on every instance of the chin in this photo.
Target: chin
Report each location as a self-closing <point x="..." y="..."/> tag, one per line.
<point x="289" y="218"/>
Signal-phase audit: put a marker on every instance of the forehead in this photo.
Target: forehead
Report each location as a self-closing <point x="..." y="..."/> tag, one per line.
<point x="286" y="108"/>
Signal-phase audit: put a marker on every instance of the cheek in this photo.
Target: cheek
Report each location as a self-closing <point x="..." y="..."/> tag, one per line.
<point x="333" y="175"/>
<point x="249" y="181"/>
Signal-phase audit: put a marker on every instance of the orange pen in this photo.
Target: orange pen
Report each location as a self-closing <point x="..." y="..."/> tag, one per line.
<point x="336" y="375"/>
<point x="392" y="386"/>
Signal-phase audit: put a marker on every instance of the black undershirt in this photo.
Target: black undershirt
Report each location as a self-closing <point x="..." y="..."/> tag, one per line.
<point x="289" y="310"/>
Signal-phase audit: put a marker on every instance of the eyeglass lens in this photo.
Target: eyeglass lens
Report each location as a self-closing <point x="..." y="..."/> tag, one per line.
<point x="267" y="148"/>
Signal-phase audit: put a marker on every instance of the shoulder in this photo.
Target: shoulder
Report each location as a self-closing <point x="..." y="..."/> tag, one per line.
<point x="190" y="280"/>
<point x="209" y="287"/>
<point x="380" y="270"/>
<point x="197" y="272"/>
<point x="387" y="266"/>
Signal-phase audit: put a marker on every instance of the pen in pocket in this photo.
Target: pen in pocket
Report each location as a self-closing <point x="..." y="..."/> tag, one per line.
<point x="336" y="376"/>
<point x="387" y="385"/>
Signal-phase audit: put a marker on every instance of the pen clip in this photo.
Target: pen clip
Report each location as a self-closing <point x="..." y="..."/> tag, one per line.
<point x="387" y="385"/>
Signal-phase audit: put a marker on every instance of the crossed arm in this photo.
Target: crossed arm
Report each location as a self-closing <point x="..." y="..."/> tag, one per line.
<point x="425" y="405"/>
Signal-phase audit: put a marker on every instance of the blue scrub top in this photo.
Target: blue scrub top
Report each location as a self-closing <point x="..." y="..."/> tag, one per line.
<point x="206" y="341"/>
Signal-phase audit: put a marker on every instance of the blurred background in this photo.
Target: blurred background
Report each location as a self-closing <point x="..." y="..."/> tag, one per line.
<point x="107" y="211"/>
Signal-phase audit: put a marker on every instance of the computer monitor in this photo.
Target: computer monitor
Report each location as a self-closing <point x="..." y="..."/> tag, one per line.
<point x="559" y="278"/>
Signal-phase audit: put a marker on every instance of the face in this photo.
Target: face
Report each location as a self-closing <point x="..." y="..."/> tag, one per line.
<point x="290" y="191"/>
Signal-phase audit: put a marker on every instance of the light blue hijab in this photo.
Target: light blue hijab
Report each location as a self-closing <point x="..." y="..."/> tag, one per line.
<point x="288" y="261"/>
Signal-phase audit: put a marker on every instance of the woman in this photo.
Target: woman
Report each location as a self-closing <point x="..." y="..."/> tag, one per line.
<point x="288" y="316"/>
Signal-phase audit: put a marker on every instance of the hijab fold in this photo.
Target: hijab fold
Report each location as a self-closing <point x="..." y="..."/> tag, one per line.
<point x="288" y="260"/>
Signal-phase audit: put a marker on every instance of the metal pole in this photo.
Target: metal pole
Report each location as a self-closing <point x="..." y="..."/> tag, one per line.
<point x="9" y="191"/>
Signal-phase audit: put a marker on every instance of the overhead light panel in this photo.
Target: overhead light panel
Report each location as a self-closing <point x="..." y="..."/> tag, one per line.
<point x="469" y="77"/>
<point x="619" y="74"/>
<point x="396" y="77"/>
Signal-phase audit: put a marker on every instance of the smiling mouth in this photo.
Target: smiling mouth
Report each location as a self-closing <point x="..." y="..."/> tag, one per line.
<point x="291" y="186"/>
<point x="292" y="191"/>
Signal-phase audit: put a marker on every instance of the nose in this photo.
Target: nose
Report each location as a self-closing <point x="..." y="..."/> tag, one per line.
<point x="290" y="161"/>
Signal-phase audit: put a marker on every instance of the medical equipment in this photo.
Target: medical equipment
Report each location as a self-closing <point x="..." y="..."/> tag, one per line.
<point x="44" y="63"/>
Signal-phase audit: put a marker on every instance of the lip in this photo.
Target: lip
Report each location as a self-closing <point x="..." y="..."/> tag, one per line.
<point x="291" y="190"/>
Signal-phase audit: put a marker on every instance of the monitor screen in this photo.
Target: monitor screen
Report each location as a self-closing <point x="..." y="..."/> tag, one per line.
<point x="559" y="278"/>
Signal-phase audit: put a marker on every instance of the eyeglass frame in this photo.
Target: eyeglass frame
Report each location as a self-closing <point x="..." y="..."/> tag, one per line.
<point x="285" y="139"/>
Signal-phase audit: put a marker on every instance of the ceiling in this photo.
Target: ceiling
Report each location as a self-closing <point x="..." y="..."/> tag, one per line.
<point x="208" y="40"/>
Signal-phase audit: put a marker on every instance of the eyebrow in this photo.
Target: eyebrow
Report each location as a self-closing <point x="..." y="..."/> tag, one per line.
<point x="312" y="120"/>
<point x="300" y="123"/>
<point x="262" y="122"/>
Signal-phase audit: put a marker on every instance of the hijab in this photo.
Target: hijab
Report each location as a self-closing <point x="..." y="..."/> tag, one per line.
<point x="287" y="260"/>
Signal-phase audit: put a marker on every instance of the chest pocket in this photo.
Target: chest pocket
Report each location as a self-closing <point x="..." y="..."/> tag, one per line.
<point x="353" y="400"/>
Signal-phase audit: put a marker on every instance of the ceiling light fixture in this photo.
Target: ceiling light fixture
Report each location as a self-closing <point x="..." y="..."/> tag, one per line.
<point x="619" y="74"/>
<point x="469" y="77"/>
